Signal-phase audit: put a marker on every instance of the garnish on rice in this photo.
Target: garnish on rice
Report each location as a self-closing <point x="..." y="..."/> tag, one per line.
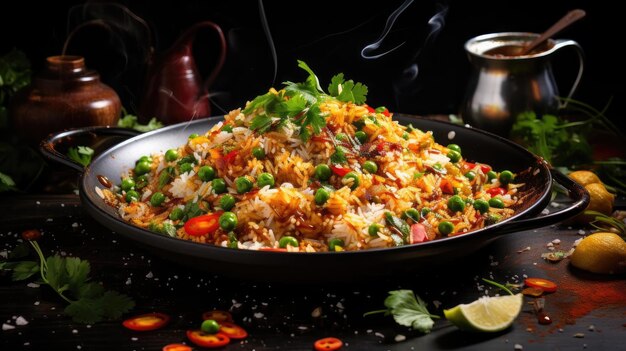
<point x="304" y="170"/>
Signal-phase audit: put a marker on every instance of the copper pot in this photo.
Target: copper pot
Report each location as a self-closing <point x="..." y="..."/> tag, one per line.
<point x="65" y="95"/>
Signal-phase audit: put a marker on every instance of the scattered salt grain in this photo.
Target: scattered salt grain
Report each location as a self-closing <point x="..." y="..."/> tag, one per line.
<point x="581" y="232"/>
<point x="128" y="281"/>
<point x="555" y="205"/>
<point x="38" y="202"/>
<point x="316" y="312"/>
<point x="527" y="248"/>
<point x="4" y="254"/>
<point x="399" y="338"/>
<point x="134" y="338"/>
<point x="7" y="326"/>
<point x="150" y="275"/>
<point x="518" y="347"/>
<point x="436" y="303"/>
<point x="27" y="344"/>
<point x="36" y="303"/>
<point x="74" y="225"/>
<point x="451" y="135"/>
<point x="21" y="321"/>
<point x="579" y="335"/>
<point x="302" y="327"/>
<point x="74" y="331"/>
<point x="556" y="241"/>
<point x="340" y="305"/>
<point x="32" y="285"/>
<point x="591" y="328"/>
<point x="545" y="211"/>
<point x="380" y="335"/>
<point x="259" y="315"/>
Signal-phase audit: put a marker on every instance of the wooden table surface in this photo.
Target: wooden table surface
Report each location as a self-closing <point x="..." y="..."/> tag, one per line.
<point x="588" y="311"/>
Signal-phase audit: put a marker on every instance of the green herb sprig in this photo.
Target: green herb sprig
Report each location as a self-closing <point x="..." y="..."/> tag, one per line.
<point x="88" y="302"/>
<point x="408" y="309"/>
<point x="299" y="103"/>
<point x="81" y="154"/>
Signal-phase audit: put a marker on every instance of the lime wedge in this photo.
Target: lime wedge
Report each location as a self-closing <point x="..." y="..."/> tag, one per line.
<point x="487" y="314"/>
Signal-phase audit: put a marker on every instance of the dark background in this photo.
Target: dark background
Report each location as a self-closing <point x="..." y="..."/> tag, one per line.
<point x="329" y="36"/>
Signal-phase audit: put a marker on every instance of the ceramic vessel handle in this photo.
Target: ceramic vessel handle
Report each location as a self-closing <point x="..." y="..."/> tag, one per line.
<point x="581" y="64"/>
<point x="189" y="35"/>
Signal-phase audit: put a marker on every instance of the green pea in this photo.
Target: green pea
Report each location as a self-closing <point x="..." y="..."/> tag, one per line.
<point x="227" y="128"/>
<point x="454" y="147"/>
<point x="445" y="227"/>
<point x="157" y="199"/>
<point x="470" y="175"/>
<point x="243" y="185"/>
<point x="185" y="167"/>
<point x="370" y="167"/>
<point x="492" y="218"/>
<point x="321" y="196"/>
<point x="144" y="159"/>
<point x="176" y="214"/>
<point x="171" y="155"/>
<point x="141" y="181"/>
<point x="228" y="221"/>
<point x="143" y="167"/>
<point x="206" y="173"/>
<point x="210" y="326"/>
<point x="456" y="204"/>
<point x="425" y="211"/>
<point x="341" y="137"/>
<point x="127" y="184"/>
<point x="322" y="172"/>
<point x="405" y="136"/>
<point x="258" y="153"/>
<point x="218" y="185"/>
<point x="491" y="175"/>
<point x="496" y="202"/>
<point x="506" y="177"/>
<point x="361" y="136"/>
<point x="373" y="229"/>
<point x="454" y="156"/>
<point x="193" y="136"/>
<point x="335" y="243"/>
<point x="265" y="179"/>
<point x="438" y="167"/>
<point x="132" y="196"/>
<point x="227" y="202"/>
<point x="412" y="213"/>
<point x="287" y="240"/>
<point x="481" y="205"/>
<point x="355" y="179"/>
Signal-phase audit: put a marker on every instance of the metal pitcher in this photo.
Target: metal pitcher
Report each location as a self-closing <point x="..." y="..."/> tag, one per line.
<point x="504" y="84"/>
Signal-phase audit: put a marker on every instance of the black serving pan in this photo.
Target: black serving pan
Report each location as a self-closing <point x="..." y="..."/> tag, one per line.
<point x="477" y="145"/>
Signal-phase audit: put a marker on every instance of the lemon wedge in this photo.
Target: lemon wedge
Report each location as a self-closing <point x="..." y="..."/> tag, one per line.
<point x="487" y="314"/>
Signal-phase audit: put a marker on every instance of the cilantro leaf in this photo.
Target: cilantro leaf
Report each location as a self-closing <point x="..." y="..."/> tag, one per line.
<point x="335" y="82"/>
<point x="130" y="121"/>
<point x="261" y="101"/>
<point x="292" y="107"/>
<point x="82" y="154"/>
<point x="347" y="91"/>
<point x="314" y="119"/>
<point x="56" y="274"/>
<point x="86" y="311"/>
<point x="312" y="79"/>
<point x="114" y="304"/>
<point x="409" y="310"/>
<point x="77" y="273"/>
<point x="6" y="183"/>
<point x="309" y="93"/>
<point x="90" y="290"/>
<point x="261" y="123"/>
<point x="24" y="270"/>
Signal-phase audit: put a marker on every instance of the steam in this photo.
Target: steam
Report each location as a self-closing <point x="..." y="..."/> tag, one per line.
<point x="268" y="34"/>
<point x="366" y="53"/>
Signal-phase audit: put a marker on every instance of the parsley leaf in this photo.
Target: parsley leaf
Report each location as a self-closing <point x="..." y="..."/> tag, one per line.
<point x="261" y="123"/>
<point x="314" y="119"/>
<point x="261" y="101"/>
<point x="130" y="121"/>
<point x="409" y="310"/>
<point x="347" y="91"/>
<point x="82" y="154"/>
<point x="24" y="270"/>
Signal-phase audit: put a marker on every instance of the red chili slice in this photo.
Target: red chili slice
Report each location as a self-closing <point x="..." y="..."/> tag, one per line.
<point x="540" y="283"/>
<point x="210" y="341"/>
<point x="496" y="191"/>
<point x="148" y="321"/>
<point x="204" y="224"/>
<point x="233" y="331"/>
<point x="31" y="234"/>
<point x="446" y="187"/>
<point x="177" y="347"/>
<point x="369" y="108"/>
<point x="230" y="157"/>
<point x="328" y="344"/>
<point x="340" y="171"/>
<point x="483" y="168"/>
<point x="218" y="316"/>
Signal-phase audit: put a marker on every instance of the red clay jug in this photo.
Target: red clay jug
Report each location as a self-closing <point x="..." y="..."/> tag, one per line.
<point x="175" y="91"/>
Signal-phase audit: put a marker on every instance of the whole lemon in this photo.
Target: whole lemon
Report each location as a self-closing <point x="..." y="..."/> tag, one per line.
<point x="584" y="177"/>
<point x="602" y="252"/>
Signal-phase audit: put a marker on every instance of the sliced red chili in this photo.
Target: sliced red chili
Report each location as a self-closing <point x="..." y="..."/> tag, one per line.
<point x="328" y="344"/>
<point x="230" y="157"/>
<point x="273" y="249"/>
<point x="340" y="171"/>
<point x="233" y="331"/>
<point x="540" y="283"/>
<point x="210" y="341"/>
<point x="483" y="168"/>
<point x="31" y="234"/>
<point x="321" y="137"/>
<point x="496" y="191"/>
<point x="369" y="108"/>
<point x="204" y="224"/>
<point x="446" y="187"/>
<point x="218" y="316"/>
<point x="386" y="112"/>
<point x="177" y="347"/>
<point x="148" y="321"/>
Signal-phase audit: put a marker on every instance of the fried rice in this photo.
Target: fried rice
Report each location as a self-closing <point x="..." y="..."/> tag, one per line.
<point x="413" y="189"/>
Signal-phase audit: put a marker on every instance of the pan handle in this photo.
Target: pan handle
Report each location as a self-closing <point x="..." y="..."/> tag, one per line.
<point x="48" y="146"/>
<point x="574" y="191"/>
